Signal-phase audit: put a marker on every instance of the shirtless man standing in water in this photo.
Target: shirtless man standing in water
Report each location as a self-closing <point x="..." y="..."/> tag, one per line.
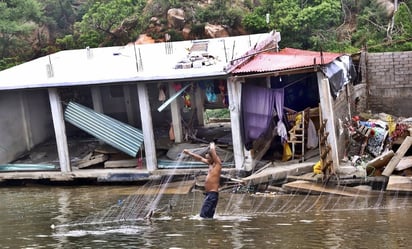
<point x="212" y="180"/>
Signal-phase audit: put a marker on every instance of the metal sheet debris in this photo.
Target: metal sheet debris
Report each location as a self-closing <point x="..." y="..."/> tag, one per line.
<point x="121" y="136"/>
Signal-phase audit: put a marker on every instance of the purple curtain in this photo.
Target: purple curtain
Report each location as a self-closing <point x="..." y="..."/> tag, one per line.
<point x="257" y="110"/>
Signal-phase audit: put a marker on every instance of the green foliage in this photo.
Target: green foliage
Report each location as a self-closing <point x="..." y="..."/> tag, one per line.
<point x="403" y="23"/>
<point x="217" y="113"/>
<point x="66" y="42"/>
<point x="330" y="25"/>
<point x="105" y="19"/>
<point x="219" y="13"/>
<point x="104" y="16"/>
<point x="255" y="23"/>
<point x="9" y="62"/>
<point x="174" y="35"/>
<point x="18" y="18"/>
<point x="58" y="16"/>
<point x="198" y="30"/>
<point x="305" y="25"/>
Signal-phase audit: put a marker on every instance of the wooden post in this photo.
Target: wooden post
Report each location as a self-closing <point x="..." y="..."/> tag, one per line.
<point x="406" y="144"/>
<point x="59" y="130"/>
<point x="176" y="116"/>
<point x="147" y="127"/>
<point x="234" y="92"/>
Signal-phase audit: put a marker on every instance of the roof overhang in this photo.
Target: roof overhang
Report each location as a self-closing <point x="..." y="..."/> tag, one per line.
<point x="126" y="64"/>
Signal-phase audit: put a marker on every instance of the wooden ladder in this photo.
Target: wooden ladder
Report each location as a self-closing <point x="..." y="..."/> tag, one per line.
<point x="297" y="135"/>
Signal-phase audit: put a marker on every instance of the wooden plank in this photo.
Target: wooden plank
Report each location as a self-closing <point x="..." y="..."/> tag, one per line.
<point x="106" y="149"/>
<point x="381" y="160"/>
<point x="306" y="187"/>
<point x="399" y="184"/>
<point x="404" y="163"/>
<point x="398" y="156"/>
<point x="262" y="144"/>
<point x="278" y="172"/>
<point x="121" y="163"/>
<point x="92" y="161"/>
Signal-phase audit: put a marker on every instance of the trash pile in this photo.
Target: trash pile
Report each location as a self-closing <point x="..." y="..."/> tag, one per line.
<point x="374" y="139"/>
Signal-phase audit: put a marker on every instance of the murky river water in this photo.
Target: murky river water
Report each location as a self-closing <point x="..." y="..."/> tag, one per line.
<point x="82" y="217"/>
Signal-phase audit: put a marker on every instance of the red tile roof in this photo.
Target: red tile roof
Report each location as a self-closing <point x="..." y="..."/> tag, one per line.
<point x="286" y="59"/>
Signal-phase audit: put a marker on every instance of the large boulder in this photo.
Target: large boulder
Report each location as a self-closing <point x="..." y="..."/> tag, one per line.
<point x="215" y="31"/>
<point x="144" y="39"/>
<point x="176" y="18"/>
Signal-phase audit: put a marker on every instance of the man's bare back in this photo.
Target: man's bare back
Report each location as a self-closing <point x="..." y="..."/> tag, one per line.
<point x="213" y="176"/>
<point x="212" y="180"/>
<point x="215" y="167"/>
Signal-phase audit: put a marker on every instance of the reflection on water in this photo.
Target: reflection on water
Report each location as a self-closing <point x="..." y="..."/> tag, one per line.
<point x="108" y="217"/>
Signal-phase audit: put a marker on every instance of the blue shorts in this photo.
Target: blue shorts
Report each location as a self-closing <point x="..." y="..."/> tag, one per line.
<point x="209" y="205"/>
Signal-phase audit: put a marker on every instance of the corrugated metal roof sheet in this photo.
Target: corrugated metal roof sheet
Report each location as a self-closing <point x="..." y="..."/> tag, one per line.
<point x="121" y="136"/>
<point x="286" y="59"/>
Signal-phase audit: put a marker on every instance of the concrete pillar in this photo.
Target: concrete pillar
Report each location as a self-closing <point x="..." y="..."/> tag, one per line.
<point x="234" y="90"/>
<point x="326" y="106"/>
<point x="97" y="99"/>
<point x="176" y="115"/>
<point x="147" y="127"/>
<point x="59" y="130"/>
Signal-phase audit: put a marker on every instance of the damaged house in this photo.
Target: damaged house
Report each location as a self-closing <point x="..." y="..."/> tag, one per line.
<point x="293" y="101"/>
<point x="126" y="113"/>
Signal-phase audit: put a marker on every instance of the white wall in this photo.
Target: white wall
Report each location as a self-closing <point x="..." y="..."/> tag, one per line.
<point x="25" y="121"/>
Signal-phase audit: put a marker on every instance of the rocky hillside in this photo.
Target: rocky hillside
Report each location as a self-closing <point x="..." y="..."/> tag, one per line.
<point x="48" y="26"/>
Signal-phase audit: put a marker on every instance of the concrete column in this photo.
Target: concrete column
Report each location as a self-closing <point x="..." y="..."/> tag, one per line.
<point x="147" y="127"/>
<point x="28" y="135"/>
<point x="234" y="90"/>
<point x="97" y="99"/>
<point x="326" y="106"/>
<point x="176" y="115"/>
<point x="199" y="102"/>
<point x="131" y="117"/>
<point x="59" y="130"/>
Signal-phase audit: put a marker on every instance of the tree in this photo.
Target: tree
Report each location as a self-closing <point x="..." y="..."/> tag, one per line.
<point x="110" y="23"/>
<point x="255" y="22"/>
<point x="18" y="18"/>
<point x="307" y="24"/>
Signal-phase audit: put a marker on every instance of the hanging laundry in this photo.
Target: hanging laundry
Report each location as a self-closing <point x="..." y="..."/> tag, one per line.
<point x="171" y="133"/>
<point x="223" y="93"/>
<point x="162" y="94"/>
<point x="210" y="92"/>
<point x="187" y="102"/>
<point x="313" y="138"/>
<point x="177" y="86"/>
